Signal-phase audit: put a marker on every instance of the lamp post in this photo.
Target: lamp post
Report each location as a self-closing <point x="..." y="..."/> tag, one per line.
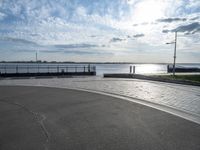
<point x="174" y="42"/>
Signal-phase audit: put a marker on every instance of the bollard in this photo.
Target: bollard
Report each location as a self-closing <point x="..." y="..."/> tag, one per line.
<point x="130" y="69"/>
<point x="133" y="69"/>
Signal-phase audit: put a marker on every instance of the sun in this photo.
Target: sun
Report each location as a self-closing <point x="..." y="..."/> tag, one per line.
<point x="149" y="11"/>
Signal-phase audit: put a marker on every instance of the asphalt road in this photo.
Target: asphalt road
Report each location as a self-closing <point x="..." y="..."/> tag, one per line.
<point x="34" y="118"/>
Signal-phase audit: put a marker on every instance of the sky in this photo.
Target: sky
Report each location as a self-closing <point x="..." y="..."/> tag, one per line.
<point x="100" y="30"/>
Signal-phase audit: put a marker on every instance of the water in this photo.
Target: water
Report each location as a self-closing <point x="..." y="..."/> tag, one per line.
<point x="139" y="68"/>
<point x="104" y="68"/>
<point x="125" y="68"/>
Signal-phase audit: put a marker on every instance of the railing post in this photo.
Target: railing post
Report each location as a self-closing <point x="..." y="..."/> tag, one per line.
<point x="38" y="69"/>
<point x="17" y="69"/>
<point x="48" y="68"/>
<point x="89" y="68"/>
<point x="27" y="69"/>
<point x="76" y="69"/>
<point x="57" y="69"/>
<point x="5" y="69"/>
<point x="84" y="68"/>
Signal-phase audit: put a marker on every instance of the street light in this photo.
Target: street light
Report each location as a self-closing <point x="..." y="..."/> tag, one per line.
<point x="174" y="42"/>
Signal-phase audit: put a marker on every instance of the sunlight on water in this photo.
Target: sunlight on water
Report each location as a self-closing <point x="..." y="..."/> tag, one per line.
<point x="150" y="68"/>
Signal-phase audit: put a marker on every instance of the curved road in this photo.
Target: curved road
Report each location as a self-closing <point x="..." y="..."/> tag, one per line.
<point x="58" y="119"/>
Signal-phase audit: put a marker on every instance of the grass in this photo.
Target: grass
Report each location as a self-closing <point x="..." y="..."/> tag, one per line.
<point x="194" y="78"/>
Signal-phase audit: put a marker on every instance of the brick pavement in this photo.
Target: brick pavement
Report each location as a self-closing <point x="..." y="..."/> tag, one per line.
<point x="181" y="97"/>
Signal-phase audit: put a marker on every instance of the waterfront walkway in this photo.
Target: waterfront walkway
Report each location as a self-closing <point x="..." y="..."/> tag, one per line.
<point x="41" y="118"/>
<point x="181" y="100"/>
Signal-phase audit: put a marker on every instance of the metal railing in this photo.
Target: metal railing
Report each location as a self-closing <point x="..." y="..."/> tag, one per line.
<point x="40" y="68"/>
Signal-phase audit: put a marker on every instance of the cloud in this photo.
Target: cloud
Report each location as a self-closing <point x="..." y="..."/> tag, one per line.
<point x="77" y="52"/>
<point x="93" y="36"/>
<point x="2" y="16"/>
<point x="17" y="40"/>
<point x="169" y="20"/>
<point x="194" y="18"/>
<point x="138" y="35"/>
<point x="135" y="36"/>
<point x="75" y="26"/>
<point x="166" y="31"/>
<point x="191" y="28"/>
<point x="116" y="39"/>
<point x="87" y="52"/>
<point x="188" y="29"/>
<point x="143" y="24"/>
<point x="135" y="25"/>
<point x="66" y="46"/>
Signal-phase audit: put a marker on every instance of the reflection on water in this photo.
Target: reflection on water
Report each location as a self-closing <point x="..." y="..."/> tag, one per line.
<point x="125" y="68"/>
<point x="151" y="68"/>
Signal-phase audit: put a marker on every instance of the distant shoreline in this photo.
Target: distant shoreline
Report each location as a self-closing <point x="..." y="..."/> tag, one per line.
<point x="55" y="62"/>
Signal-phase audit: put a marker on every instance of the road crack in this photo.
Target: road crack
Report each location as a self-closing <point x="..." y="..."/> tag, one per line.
<point x="40" y="118"/>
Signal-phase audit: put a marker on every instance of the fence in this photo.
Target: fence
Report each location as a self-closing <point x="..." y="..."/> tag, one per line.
<point x="39" y="69"/>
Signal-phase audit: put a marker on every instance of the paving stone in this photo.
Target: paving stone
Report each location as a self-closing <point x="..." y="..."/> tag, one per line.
<point x="182" y="97"/>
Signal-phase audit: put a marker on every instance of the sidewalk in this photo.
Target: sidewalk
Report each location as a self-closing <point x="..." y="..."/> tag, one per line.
<point x="180" y="97"/>
<point x="152" y="78"/>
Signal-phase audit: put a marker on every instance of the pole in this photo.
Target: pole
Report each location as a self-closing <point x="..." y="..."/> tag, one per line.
<point x="133" y="69"/>
<point x="36" y="57"/>
<point x="174" y="65"/>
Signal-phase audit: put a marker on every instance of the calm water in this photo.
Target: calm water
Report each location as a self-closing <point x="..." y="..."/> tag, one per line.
<point x="108" y="68"/>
